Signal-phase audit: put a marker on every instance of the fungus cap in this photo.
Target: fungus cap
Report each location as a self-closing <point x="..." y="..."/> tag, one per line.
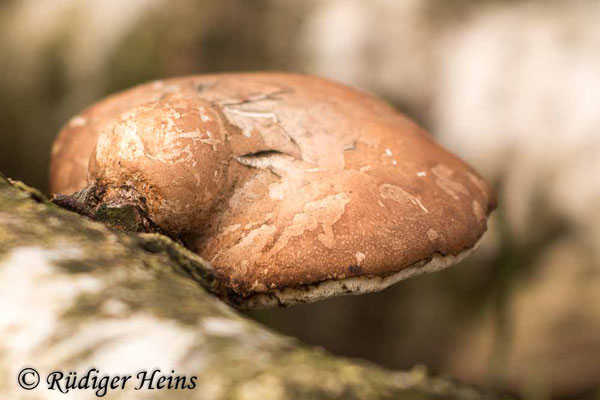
<point x="293" y="188"/>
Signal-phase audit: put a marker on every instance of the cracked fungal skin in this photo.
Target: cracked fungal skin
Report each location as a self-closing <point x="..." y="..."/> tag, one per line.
<point x="277" y="180"/>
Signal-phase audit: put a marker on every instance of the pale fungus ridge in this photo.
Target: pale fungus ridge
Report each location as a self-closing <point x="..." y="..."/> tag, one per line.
<point x="294" y="188"/>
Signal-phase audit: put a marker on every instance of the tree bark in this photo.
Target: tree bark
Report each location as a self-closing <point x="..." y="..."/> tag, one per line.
<point x="76" y="295"/>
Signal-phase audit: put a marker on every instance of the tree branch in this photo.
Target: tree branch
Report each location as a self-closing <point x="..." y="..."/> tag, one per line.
<point x="78" y="295"/>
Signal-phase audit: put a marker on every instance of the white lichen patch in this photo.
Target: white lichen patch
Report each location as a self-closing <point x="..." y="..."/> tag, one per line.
<point x="263" y="386"/>
<point x="114" y="308"/>
<point x="131" y="336"/>
<point x="32" y="278"/>
<point x="101" y="342"/>
<point x="400" y="195"/>
<point x="224" y="327"/>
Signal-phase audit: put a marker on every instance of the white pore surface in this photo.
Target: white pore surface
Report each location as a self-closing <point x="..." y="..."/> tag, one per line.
<point x="353" y="285"/>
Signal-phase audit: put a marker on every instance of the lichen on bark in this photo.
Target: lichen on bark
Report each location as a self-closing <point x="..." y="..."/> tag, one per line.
<point x="84" y="295"/>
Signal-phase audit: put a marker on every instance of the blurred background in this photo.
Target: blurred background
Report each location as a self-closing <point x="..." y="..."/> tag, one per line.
<point x="513" y="87"/>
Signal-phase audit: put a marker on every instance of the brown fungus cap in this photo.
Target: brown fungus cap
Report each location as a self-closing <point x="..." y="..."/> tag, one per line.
<point x="293" y="188"/>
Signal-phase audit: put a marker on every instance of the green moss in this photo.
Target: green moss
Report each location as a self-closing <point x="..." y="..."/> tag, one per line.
<point x="188" y="264"/>
<point x="123" y="217"/>
<point x="34" y="193"/>
<point x="75" y="266"/>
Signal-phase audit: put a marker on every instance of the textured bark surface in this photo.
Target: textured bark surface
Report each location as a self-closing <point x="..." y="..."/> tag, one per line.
<point x="76" y="295"/>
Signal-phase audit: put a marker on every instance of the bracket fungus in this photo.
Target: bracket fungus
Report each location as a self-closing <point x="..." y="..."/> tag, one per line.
<point x="292" y="188"/>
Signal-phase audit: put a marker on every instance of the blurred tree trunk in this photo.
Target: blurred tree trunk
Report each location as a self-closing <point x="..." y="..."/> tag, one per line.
<point x="76" y="295"/>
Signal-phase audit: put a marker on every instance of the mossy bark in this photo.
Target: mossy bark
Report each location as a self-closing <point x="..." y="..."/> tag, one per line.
<point x="86" y="296"/>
